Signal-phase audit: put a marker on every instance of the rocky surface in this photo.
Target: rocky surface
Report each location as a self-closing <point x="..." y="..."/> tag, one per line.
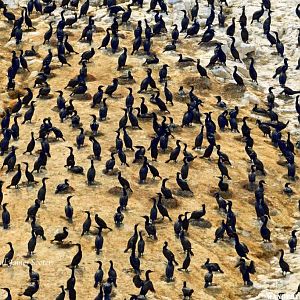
<point x="50" y="260"/>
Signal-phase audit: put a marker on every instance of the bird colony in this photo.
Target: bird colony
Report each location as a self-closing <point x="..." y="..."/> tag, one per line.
<point x="149" y="149"/>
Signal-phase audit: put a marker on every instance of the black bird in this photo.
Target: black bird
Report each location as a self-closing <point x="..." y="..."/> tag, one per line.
<point x="112" y="274"/>
<point x="77" y="258"/>
<point x="185" y="59"/>
<point x="231" y="28"/>
<point x="118" y="216"/>
<point x="135" y="261"/>
<point x="186" y="291"/>
<point x="106" y="39"/>
<point x="141" y="245"/>
<point x="243" y="17"/>
<point x="80" y="138"/>
<point x="84" y="8"/>
<point x="31" y="144"/>
<point x="221" y="17"/>
<point x="168" y="254"/>
<point x="34" y="276"/>
<point x="184" y="22"/>
<point x="252" y="71"/>
<point x="24" y="65"/>
<point x="29" y="113"/>
<point x="1" y="192"/>
<point x="265" y="231"/>
<point x="246" y="271"/>
<point x="87" y="223"/>
<point x="8" y="15"/>
<point x="175" y="152"/>
<point x="31" y="243"/>
<point x="198" y="214"/>
<point x="162" y="209"/>
<point x="150" y="228"/>
<point x="241" y="248"/>
<point x="222" y="167"/>
<point x="288" y="91"/>
<point x="62" y="187"/>
<point x="30" y="52"/>
<point x="124" y="182"/>
<point x="5" y="216"/>
<point x="112" y="88"/>
<point x="59" y="237"/>
<point x="194" y="10"/>
<point x="62" y="294"/>
<point x="122" y="59"/>
<point x="38" y="229"/>
<point x="238" y="79"/>
<point x="234" y="51"/>
<point x="133" y="239"/>
<point x="279" y="45"/>
<point x="147" y="284"/>
<point x="292" y="242"/>
<point x="98" y="277"/>
<point x="31" y="290"/>
<point x="109" y="165"/>
<point x="87" y="55"/>
<point x="101" y="223"/>
<point x="208" y="278"/>
<point x="99" y="238"/>
<point x="283" y="264"/>
<point x="32" y="210"/>
<point x="165" y="191"/>
<point x="126" y="14"/>
<point x="16" y="178"/>
<point x="48" y="34"/>
<point x="71" y="21"/>
<point x="91" y="173"/>
<point x="63" y="60"/>
<point x="185" y="243"/>
<point x="202" y="71"/>
<point x="182" y="183"/>
<point x="69" y="209"/>
<point x="49" y="9"/>
<point x="72" y="280"/>
<point x="9" y="255"/>
<point x="258" y="14"/>
<point x="70" y="159"/>
<point x="213" y="266"/>
<point x="29" y="175"/>
<point x="186" y="262"/>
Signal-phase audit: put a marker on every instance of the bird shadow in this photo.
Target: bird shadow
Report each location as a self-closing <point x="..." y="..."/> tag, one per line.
<point x="201" y="223"/>
<point x="170" y="203"/>
<point x="113" y="172"/>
